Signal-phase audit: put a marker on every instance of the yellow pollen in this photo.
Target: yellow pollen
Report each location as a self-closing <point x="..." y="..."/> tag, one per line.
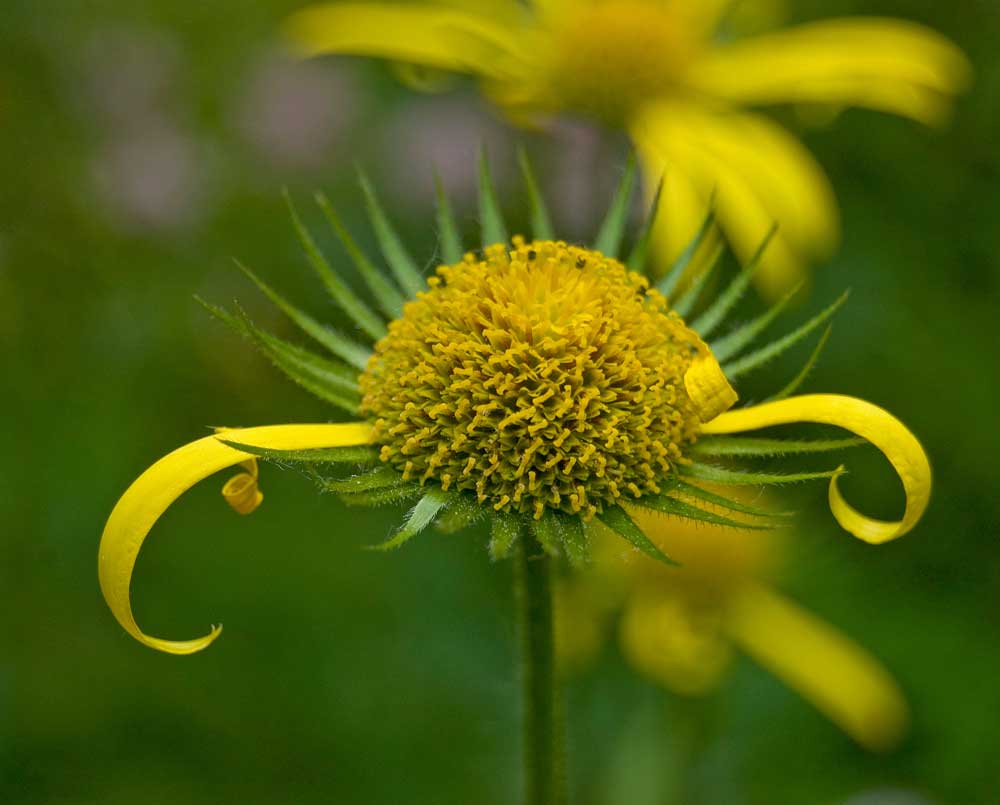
<point x="538" y="376"/>
<point x="608" y="57"/>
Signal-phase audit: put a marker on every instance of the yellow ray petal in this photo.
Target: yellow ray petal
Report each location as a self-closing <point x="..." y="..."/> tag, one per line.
<point x="885" y="64"/>
<point x="760" y="175"/>
<point x="439" y="36"/>
<point x="869" y="422"/>
<point x="836" y="675"/>
<point x="152" y="493"/>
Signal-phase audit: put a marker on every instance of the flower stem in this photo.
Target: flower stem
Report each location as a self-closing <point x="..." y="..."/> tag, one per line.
<point x="544" y="729"/>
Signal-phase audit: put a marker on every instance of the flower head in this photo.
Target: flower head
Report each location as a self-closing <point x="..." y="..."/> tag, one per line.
<point x="667" y="72"/>
<point x="550" y="388"/>
<point x="538" y="376"/>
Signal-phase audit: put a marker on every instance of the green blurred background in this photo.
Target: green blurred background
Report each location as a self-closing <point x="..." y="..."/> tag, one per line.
<point x="142" y="146"/>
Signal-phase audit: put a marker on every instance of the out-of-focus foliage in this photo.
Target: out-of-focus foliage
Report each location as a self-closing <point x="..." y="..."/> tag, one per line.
<point x="142" y="146"/>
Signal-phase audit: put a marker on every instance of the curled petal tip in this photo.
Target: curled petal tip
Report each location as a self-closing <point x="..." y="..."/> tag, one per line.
<point x="708" y="387"/>
<point x="868" y="421"/>
<point x="241" y="491"/>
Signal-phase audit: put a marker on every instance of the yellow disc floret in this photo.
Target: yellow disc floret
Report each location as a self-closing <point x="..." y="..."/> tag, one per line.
<point x="543" y="375"/>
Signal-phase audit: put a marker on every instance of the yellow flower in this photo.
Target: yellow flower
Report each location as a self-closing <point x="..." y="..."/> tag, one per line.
<point x="539" y="384"/>
<point x="681" y="628"/>
<point x="659" y="70"/>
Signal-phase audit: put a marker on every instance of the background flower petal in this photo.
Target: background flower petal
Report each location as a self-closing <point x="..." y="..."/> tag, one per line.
<point x="885" y="64"/>
<point x="841" y="679"/>
<point x="760" y="176"/>
<point x="434" y="36"/>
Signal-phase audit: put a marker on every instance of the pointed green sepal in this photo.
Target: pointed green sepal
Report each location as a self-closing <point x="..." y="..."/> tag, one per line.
<point x="356" y="454"/>
<point x="541" y="221"/>
<point x="668" y="283"/>
<point x="388" y="297"/>
<point x="494" y="230"/>
<point x="806" y="369"/>
<point x="386" y="496"/>
<point x="733" y="342"/>
<point x="716" y="313"/>
<point x="640" y="251"/>
<point x="618" y="520"/>
<point x="463" y="512"/>
<point x="686" y="302"/>
<point x="336" y="343"/>
<point x="759" y="357"/>
<point x="348" y="301"/>
<point x="451" y="242"/>
<point x="752" y="446"/>
<point x="558" y="532"/>
<point x="420" y="516"/>
<point x="688" y="511"/>
<point x="609" y="237"/>
<point x="697" y="492"/>
<point x="728" y="477"/>
<point x="504" y="533"/>
<point x="379" y="478"/>
<point x="331" y="382"/>
<point x="403" y="266"/>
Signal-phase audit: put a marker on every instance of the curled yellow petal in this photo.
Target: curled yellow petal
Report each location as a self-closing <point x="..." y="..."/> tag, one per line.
<point x="241" y="491"/>
<point x="840" y="678"/>
<point x="152" y="493"/>
<point x="707" y="385"/>
<point x="869" y="422"/>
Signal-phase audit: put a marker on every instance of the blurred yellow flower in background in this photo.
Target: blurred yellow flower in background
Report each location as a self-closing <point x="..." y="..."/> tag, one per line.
<point x="660" y="70"/>
<point x="681" y="628"/>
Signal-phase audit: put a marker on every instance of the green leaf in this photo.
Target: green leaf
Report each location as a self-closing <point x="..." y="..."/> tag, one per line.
<point x="343" y="347"/>
<point x="378" y="478"/>
<point x="706" y="323"/>
<point x="504" y="533"/>
<point x="451" y="243"/>
<point x="609" y="238"/>
<point x="733" y="342"/>
<point x="760" y="447"/>
<point x="493" y="226"/>
<point x="348" y="301"/>
<point x="618" y="520"/>
<point x="403" y="267"/>
<point x="389" y="299"/>
<point x="356" y="454"/>
<point x="668" y="283"/>
<point x="463" y="512"/>
<point x="758" y="358"/>
<point x="678" y="508"/>
<point x="691" y="490"/>
<point x="541" y="222"/>
<point x="799" y="379"/>
<point x="722" y="475"/>
<point x="640" y="251"/>
<point x="685" y="303"/>
<point x="421" y="516"/>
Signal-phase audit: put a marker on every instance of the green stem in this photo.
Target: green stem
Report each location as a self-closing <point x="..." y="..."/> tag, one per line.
<point x="544" y="729"/>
